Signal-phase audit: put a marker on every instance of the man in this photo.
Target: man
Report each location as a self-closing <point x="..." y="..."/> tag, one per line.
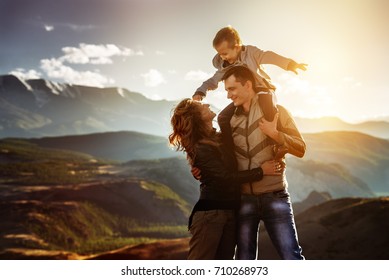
<point x="252" y="138"/>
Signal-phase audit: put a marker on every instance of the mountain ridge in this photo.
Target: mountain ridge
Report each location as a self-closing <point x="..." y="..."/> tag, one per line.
<point x="38" y="108"/>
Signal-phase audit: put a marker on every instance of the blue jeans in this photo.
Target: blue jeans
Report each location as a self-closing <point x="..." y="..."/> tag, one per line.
<point x="275" y="210"/>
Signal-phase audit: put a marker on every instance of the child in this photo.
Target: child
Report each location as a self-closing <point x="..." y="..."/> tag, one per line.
<point x="230" y="51"/>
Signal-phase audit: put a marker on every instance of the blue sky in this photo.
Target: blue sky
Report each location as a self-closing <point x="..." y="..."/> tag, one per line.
<point x="163" y="48"/>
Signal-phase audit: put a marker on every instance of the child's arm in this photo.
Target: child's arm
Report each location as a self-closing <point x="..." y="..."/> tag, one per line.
<point x="211" y="83"/>
<point x="269" y="57"/>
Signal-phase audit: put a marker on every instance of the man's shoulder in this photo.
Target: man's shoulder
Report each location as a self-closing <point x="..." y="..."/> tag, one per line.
<point x="283" y="111"/>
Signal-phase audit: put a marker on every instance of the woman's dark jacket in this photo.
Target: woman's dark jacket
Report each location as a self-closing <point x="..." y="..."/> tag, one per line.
<point x="219" y="187"/>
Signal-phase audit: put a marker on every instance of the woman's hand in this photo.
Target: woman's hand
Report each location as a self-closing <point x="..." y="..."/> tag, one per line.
<point x="272" y="168"/>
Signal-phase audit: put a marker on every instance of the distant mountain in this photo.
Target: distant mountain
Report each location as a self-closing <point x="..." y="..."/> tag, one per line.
<point x="37" y="108"/>
<point x="364" y="156"/>
<point x="375" y="128"/>
<point x="33" y="108"/>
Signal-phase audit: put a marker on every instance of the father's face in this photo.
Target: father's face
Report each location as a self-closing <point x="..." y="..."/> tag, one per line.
<point x="238" y="93"/>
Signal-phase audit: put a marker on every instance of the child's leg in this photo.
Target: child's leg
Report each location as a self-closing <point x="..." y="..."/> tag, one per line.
<point x="269" y="109"/>
<point x="268" y="105"/>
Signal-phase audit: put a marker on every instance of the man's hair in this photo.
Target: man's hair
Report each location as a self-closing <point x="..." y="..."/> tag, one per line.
<point x="241" y="73"/>
<point x="228" y="34"/>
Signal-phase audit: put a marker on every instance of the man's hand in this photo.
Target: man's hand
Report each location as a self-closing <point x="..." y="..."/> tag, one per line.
<point x="196" y="173"/>
<point x="270" y="128"/>
<point x="272" y="168"/>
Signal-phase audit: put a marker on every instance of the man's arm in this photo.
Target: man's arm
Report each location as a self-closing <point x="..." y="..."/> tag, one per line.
<point x="288" y="136"/>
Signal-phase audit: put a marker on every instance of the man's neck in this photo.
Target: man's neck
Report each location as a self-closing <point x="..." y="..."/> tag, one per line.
<point x="246" y="106"/>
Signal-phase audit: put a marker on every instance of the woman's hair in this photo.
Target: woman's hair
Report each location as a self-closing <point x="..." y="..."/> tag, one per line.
<point x="228" y="34"/>
<point x="189" y="128"/>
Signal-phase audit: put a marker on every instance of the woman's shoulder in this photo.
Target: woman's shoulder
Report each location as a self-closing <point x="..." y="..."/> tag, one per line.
<point x="206" y="148"/>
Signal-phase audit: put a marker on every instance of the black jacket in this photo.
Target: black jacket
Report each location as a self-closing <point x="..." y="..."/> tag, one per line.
<point x="218" y="180"/>
<point x="219" y="187"/>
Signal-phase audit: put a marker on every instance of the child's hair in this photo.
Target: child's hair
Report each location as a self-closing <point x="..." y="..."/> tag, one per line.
<point x="228" y="34"/>
<point x="241" y="73"/>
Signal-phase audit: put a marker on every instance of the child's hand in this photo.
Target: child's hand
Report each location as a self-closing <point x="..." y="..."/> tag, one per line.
<point x="197" y="97"/>
<point x="293" y="66"/>
<point x="301" y="66"/>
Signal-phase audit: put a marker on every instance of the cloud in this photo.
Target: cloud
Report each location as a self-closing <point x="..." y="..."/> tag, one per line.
<point x="48" y="28"/>
<point x="197" y="75"/>
<point x="54" y="68"/>
<point x="76" y="27"/>
<point x="30" y="74"/>
<point x="153" y="78"/>
<point x="95" y="54"/>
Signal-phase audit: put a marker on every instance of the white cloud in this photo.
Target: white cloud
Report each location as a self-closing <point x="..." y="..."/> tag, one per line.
<point x="48" y="28"/>
<point x="153" y="78"/>
<point x="54" y="68"/>
<point x="95" y="54"/>
<point x="197" y="75"/>
<point x="76" y="27"/>
<point x="30" y="74"/>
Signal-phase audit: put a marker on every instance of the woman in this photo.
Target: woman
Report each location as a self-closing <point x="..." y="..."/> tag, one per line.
<point x="212" y="222"/>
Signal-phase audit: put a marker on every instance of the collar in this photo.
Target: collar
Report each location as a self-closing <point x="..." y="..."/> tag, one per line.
<point x="239" y="110"/>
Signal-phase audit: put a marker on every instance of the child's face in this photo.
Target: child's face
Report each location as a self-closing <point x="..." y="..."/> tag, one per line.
<point x="227" y="53"/>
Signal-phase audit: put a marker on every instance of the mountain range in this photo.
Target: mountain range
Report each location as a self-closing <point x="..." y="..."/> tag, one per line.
<point x="38" y="107"/>
<point x="58" y="203"/>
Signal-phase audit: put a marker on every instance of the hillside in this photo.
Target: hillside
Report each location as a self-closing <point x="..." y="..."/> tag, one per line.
<point x="56" y="200"/>
<point x="119" y="146"/>
<point x="341" y="229"/>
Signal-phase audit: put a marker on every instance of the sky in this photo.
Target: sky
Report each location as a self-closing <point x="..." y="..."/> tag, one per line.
<point x="163" y="48"/>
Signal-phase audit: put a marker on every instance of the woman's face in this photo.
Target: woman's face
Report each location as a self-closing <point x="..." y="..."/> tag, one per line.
<point x="207" y="114"/>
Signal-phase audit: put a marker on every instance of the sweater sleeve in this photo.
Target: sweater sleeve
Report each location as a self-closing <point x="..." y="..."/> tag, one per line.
<point x="290" y="135"/>
<point x="209" y="161"/>
<point x="269" y="57"/>
<point x="212" y="83"/>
